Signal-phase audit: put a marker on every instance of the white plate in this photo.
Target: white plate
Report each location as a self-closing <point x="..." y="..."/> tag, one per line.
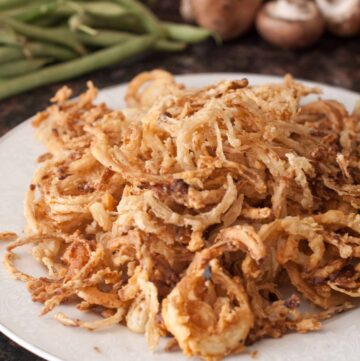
<point x="338" y="340"/>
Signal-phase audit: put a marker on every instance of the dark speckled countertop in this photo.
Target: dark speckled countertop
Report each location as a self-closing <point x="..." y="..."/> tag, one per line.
<point x="333" y="61"/>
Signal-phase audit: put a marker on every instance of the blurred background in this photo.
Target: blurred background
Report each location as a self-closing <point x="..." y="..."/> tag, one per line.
<point x="273" y="46"/>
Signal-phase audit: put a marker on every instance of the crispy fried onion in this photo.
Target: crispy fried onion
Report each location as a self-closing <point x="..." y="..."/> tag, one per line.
<point x="188" y="211"/>
<point x="208" y="311"/>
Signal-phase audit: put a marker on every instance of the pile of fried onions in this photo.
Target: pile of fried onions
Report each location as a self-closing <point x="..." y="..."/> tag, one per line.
<point x="187" y="213"/>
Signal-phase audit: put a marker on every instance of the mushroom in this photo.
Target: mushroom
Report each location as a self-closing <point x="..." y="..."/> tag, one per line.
<point x="290" y="23"/>
<point x="228" y="18"/>
<point x="342" y="16"/>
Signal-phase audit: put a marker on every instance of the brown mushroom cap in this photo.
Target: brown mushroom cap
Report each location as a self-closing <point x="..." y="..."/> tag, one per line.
<point x="344" y="20"/>
<point x="228" y="18"/>
<point x="289" y="33"/>
<point x="350" y="27"/>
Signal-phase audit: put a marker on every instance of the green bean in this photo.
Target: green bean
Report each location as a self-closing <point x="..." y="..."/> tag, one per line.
<point x="35" y="50"/>
<point x="64" y="10"/>
<point x="128" y="23"/>
<point x="40" y="49"/>
<point x="21" y="67"/>
<point x="10" y="53"/>
<point x="10" y="38"/>
<point x="149" y="21"/>
<point x="76" y="24"/>
<point x="188" y="33"/>
<point x="67" y="8"/>
<point x="105" y="9"/>
<point x="98" y="9"/>
<point x="77" y="67"/>
<point x="37" y="11"/>
<point x="49" y="21"/>
<point x="8" y="4"/>
<point x="170" y="46"/>
<point x="15" y="11"/>
<point x="104" y="38"/>
<point x="55" y="35"/>
<point x="31" y="11"/>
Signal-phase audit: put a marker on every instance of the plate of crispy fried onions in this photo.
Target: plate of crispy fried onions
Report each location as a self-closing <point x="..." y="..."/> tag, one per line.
<point x="210" y="215"/>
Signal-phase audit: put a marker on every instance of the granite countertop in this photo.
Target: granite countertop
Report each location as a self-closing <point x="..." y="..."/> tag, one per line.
<point x="333" y="61"/>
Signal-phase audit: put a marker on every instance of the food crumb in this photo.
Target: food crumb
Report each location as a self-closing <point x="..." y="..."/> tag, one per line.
<point x="97" y="349"/>
<point x="43" y="157"/>
<point x="7" y="236"/>
<point x="172" y="346"/>
<point x="253" y="354"/>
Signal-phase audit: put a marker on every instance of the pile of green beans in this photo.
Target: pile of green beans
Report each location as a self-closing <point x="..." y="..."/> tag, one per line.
<point x="47" y="41"/>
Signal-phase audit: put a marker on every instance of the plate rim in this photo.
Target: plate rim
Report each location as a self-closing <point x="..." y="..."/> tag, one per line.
<point x="39" y="351"/>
